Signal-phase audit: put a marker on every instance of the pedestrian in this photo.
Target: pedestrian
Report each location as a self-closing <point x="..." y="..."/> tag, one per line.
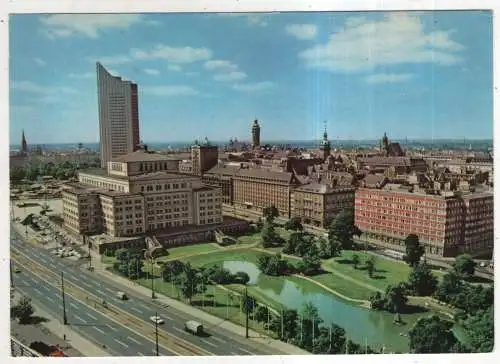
<point x="64" y="336"/>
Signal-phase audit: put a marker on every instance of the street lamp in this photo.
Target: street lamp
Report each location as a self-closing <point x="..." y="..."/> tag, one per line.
<point x="148" y="255"/>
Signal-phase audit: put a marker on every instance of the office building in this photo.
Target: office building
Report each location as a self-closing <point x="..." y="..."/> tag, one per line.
<point x="118" y="115"/>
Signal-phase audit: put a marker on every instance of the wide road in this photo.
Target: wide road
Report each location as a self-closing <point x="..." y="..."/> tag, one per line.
<point x="220" y="341"/>
<point x="88" y="323"/>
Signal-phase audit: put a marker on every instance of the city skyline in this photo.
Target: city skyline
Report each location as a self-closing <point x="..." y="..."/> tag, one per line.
<point x="431" y="69"/>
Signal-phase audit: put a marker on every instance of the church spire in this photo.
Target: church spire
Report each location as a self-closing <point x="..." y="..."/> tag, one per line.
<point x="24" y="144"/>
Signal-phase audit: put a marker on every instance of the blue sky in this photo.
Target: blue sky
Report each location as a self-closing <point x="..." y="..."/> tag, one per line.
<point x="415" y="75"/>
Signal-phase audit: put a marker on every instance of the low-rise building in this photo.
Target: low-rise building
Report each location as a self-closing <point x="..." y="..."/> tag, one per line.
<point x="319" y="203"/>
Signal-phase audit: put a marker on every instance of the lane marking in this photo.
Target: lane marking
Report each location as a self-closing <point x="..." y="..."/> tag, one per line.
<point x="73" y="305"/>
<point x="98" y="329"/>
<point x="109" y="289"/>
<point x="136" y="309"/>
<point x="79" y="318"/>
<point x="140" y="354"/>
<point x="180" y="330"/>
<point x="219" y="340"/>
<point x="85" y="284"/>
<point x="50" y="299"/>
<point x="144" y="306"/>
<point x="98" y="284"/>
<point x="134" y="340"/>
<point x="91" y="316"/>
<point x="111" y="327"/>
<point x="101" y="292"/>
<point x="123" y="344"/>
<point x="37" y="291"/>
<point x="246" y="351"/>
<point x="233" y="353"/>
<point x="81" y="300"/>
<point x="209" y="343"/>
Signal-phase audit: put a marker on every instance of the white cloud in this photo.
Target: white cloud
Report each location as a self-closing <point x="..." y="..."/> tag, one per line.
<point x="82" y="75"/>
<point x="40" y="62"/>
<point x="231" y="76"/>
<point x="388" y="78"/>
<point x="89" y="25"/>
<point x="27" y="86"/>
<point x="302" y="31"/>
<point x="172" y="90"/>
<point x="192" y="74"/>
<point x="254" y="87"/>
<point x="257" y="19"/>
<point x="219" y="64"/>
<point x="174" y="68"/>
<point x="172" y="54"/>
<point x="397" y="39"/>
<point x="151" y="71"/>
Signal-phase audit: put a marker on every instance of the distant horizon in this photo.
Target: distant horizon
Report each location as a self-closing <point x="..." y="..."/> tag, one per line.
<point x="283" y="141"/>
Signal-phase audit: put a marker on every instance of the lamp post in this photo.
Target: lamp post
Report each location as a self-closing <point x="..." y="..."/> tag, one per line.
<point x="65" y="317"/>
<point x="11" y="276"/>
<point x="246" y="311"/>
<point x="156" y="335"/>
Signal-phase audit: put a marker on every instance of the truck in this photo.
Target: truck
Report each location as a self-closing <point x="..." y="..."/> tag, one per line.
<point x="193" y="327"/>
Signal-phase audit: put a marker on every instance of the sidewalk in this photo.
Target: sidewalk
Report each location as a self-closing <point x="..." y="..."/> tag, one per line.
<point x="280" y="347"/>
<point x="52" y="333"/>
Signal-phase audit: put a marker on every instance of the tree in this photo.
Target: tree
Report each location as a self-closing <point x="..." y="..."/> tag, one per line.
<point x="311" y="263"/>
<point x="134" y="268"/>
<point x="190" y="283"/>
<point x="248" y="304"/>
<point x="309" y="326"/>
<point x="395" y="298"/>
<point x="17" y="174"/>
<point x="480" y="330"/>
<point x="432" y="335"/>
<point x="421" y="281"/>
<point x="292" y="242"/>
<point x="330" y="340"/>
<point x="261" y="314"/>
<point x="355" y="260"/>
<point x="342" y="229"/>
<point x="464" y="266"/>
<point x="294" y="224"/>
<point x="172" y="269"/>
<point x="449" y="287"/>
<point x="121" y="254"/>
<point x="370" y="266"/>
<point x="23" y="311"/>
<point x="241" y="277"/>
<point x="269" y="235"/>
<point x="287" y="322"/>
<point x="324" y="248"/>
<point x="270" y="213"/>
<point x="414" y="251"/>
<point x="220" y="275"/>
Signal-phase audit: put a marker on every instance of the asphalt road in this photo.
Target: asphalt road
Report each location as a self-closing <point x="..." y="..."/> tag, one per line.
<point x="86" y="322"/>
<point x="220" y="341"/>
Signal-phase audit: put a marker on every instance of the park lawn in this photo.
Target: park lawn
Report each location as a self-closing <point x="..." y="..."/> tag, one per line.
<point x="107" y="260"/>
<point x="222" y="256"/>
<point x="249" y="239"/>
<point x="344" y="287"/>
<point x="179" y="252"/>
<point x="387" y="272"/>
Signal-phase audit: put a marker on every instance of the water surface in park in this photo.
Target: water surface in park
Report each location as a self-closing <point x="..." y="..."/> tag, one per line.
<point x="362" y="325"/>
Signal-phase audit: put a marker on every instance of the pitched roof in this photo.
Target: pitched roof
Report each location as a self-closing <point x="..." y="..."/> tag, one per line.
<point x="142" y="156"/>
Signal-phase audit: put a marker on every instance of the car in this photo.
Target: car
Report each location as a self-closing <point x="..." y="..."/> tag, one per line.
<point x="17" y="270"/>
<point x="157" y="320"/>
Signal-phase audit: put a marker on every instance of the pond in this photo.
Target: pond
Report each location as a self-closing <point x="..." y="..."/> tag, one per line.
<point x="362" y="325"/>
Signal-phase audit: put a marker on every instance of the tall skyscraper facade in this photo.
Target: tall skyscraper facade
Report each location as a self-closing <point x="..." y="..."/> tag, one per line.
<point x="255" y="134"/>
<point x="118" y="105"/>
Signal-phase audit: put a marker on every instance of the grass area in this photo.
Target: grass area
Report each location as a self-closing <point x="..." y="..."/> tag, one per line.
<point x="107" y="260"/>
<point x="344" y="287"/>
<point x="179" y="252"/>
<point x="221" y="256"/>
<point x="388" y="272"/>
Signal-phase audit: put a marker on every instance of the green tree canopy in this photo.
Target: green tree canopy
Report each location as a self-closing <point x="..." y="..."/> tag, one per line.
<point x="464" y="266"/>
<point x="414" y="251"/>
<point x="432" y="335"/>
<point x="421" y="281"/>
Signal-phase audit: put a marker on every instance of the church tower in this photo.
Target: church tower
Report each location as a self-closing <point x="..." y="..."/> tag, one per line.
<point x="24" y="144"/>
<point x="255" y="134"/>
<point x="324" y="146"/>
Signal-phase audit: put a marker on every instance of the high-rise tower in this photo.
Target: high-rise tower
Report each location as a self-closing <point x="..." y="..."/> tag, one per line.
<point x="324" y="146"/>
<point x="118" y="115"/>
<point x="255" y="134"/>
